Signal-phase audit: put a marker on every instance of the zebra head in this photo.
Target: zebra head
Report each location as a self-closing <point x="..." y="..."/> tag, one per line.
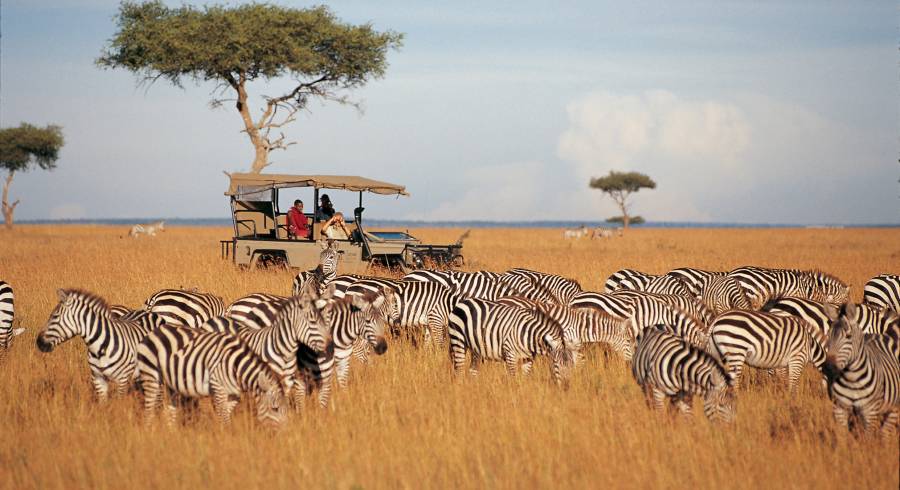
<point x="844" y="341"/>
<point x="369" y="306"/>
<point x="826" y="288"/>
<point x="328" y="260"/>
<point x="719" y="400"/>
<point x="71" y="317"/>
<point x="271" y="407"/>
<point x="562" y="357"/>
<point x="307" y="324"/>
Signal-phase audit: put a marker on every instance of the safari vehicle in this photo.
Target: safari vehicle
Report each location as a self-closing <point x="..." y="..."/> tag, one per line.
<point x="261" y="235"/>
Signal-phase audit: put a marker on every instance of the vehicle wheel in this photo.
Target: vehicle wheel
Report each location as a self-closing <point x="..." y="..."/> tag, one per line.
<point x="458" y="261"/>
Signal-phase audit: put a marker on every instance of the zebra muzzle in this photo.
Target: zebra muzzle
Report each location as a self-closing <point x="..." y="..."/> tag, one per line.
<point x="43" y="345"/>
<point x="380" y="346"/>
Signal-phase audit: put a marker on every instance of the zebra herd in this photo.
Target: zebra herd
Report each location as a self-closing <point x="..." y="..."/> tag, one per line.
<point x="687" y="332"/>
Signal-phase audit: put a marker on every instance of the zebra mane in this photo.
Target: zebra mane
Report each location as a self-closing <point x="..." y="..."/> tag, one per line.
<point x="825" y="276"/>
<point x="89" y="298"/>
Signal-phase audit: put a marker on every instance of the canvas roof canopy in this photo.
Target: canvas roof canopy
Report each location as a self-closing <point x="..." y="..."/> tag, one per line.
<point x="243" y="183"/>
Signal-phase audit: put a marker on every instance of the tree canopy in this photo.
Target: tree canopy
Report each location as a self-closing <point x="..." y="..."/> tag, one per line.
<point x="634" y="220"/>
<point x="235" y="45"/>
<point x="620" y="185"/>
<point x="22" y="147"/>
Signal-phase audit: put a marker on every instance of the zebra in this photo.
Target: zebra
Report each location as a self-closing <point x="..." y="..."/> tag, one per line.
<point x="256" y="310"/>
<point x="581" y="326"/>
<point x="649" y="309"/>
<point x="863" y="375"/>
<point x="688" y="304"/>
<point x="299" y="322"/>
<point x="667" y="284"/>
<point x="193" y="363"/>
<point x="627" y="279"/>
<point x="763" y="340"/>
<point x="186" y="308"/>
<point x="871" y="320"/>
<point x="119" y="310"/>
<point x="414" y="304"/>
<point x="7" y="315"/>
<point x="148" y="229"/>
<point x="351" y="318"/>
<point x="665" y="366"/>
<point x="324" y="273"/>
<point x="763" y="284"/>
<point x="883" y="291"/>
<point x="720" y="294"/>
<point x="694" y="279"/>
<point x="110" y="341"/>
<point x="562" y="289"/>
<point x="478" y="284"/>
<point x="499" y="332"/>
<point x="617" y="306"/>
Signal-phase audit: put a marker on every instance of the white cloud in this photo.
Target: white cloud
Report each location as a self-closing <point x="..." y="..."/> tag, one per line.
<point x="68" y="211"/>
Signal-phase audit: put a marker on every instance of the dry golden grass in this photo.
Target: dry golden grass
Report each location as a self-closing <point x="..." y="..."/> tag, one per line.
<point x="404" y="421"/>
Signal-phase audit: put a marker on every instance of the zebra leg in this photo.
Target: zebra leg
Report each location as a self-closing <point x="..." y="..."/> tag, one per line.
<point x="342" y="368"/>
<point x="152" y="398"/>
<point x="171" y="407"/>
<point x="889" y="425"/>
<point x="122" y="387"/>
<point x="457" y="355"/>
<point x="325" y="390"/>
<point x="101" y="387"/>
<point x="301" y="391"/>
<point x="734" y="364"/>
<point x="795" y="369"/>
<point x="871" y="420"/>
<point x="527" y="365"/>
<point x="657" y="399"/>
<point x="436" y="326"/>
<point x="474" y="364"/>
<point x="683" y="402"/>
<point x="511" y="362"/>
<point x="841" y="416"/>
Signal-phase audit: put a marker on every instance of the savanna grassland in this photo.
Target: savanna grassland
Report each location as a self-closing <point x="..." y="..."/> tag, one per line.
<point x="405" y="421"/>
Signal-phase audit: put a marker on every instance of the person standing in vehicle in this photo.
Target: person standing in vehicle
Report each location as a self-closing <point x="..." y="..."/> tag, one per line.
<point x="335" y="228"/>
<point x="326" y="209"/>
<point x="298" y="228"/>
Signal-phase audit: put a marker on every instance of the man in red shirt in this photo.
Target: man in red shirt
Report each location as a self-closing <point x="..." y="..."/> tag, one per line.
<point x="298" y="228"/>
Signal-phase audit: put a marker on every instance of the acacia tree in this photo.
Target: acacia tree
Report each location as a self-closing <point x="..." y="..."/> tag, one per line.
<point x="620" y="185"/>
<point x="20" y="149"/>
<point x="233" y="46"/>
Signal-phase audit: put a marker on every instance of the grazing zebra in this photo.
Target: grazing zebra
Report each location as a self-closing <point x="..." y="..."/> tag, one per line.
<point x="110" y="341"/>
<point x="324" y="273"/>
<point x="627" y="279"/>
<point x="148" y="229"/>
<point x="185" y="308"/>
<point x="193" y="363"/>
<point x="351" y="318"/>
<point x="688" y="304"/>
<point x="863" y="374"/>
<point x="562" y="289"/>
<point x="871" y="320"/>
<point x="694" y="279"/>
<point x="665" y="366"/>
<point x="763" y="340"/>
<point x="667" y="284"/>
<point x="617" y="306"/>
<point x="498" y="332"/>
<point x="478" y="284"/>
<point x="649" y="309"/>
<point x="763" y="284"/>
<point x="7" y="315"/>
<point x="883" y="291"/>
<point x="298" y="322"/>
<point x="581" y="326"/>
<point x="722" y="293"/>
<point x="414" y="304"/>
<point x="256" y="310"/>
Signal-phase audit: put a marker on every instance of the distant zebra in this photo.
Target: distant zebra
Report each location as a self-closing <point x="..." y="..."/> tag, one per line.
<point x="324" y="273"/>
<point x="763" y="284"/>
<point x="665" y="366"/>
<point x="561" y="288"/>
<point x="298" y="322"/>
<point x="883" y="291"/>
<point x="763" y="340"/>
<point x="581" y="326"/>
<point x="193" y="363"/>
<point x="694" y="279"/>
<point x="863" y="375"/>
<point x="617" y="306"/>
<point x="185" y="308"/>
<point x="415" y="305"/>
<point x="350" y="319"/>
<point x="110" y="341"/>
<point x="491" y="331"/>
<point x="7" y="315"/>
<point x="721" y="293"/>
<point x="148" y="229"/>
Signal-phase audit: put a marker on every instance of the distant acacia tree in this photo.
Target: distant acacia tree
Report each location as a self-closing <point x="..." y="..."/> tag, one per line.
<point x="23" y="147"/>
<point x="620" y="185"/>
<point x="634" y="220"/>
<point x="236" y="45"/>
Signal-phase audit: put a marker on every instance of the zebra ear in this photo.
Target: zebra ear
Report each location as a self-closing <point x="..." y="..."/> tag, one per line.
<point x="320" y="303"/>
<point x="18" y="331"/>
<point x="831" y="312"/>
<point x="848" y="310"/>
<point x="62" y="294"/>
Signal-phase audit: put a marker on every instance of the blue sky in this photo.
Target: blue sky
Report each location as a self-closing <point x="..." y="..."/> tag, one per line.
<point x="781" y="112"/>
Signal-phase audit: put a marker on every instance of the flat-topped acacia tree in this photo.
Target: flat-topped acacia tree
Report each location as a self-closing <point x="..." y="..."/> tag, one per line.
<point x="21" y="148"/>
<point x="620" y="185"/>
<point x="233" y="46"/>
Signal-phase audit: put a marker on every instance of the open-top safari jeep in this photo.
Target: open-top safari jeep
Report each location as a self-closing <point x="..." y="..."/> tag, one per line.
<point x="261" y="237"/>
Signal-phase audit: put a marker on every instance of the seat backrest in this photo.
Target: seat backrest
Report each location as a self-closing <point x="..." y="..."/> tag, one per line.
<point x="253" y="217"/>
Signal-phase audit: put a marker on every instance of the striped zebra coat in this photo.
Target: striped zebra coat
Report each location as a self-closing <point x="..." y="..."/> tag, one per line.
<point x="415" y="305"/>
<point x="617" y="306"/>
<point x="298" y="323"/>
<point x="323" y="274"/>
<point x="111" y="341"/>
<point x="665" y="366"/>
<point x="650" y="309"/>
<point x="870" y="319"/>
<point x="694" y="279"/>
<point x="193" y="363"/>
<point x="687" y="304"/>
<point x="185" y="308"/>
<point x="561" y="288"/>
<point x="762" y="285"/>
<point x="629" y="279"/>
<point x="863" y="375"/>
<point x="496" y="332"/>
<point x="721" y="293"/>
<point x="883" y="291"/>
<point x="763" y="340"/>
<point x="7" y="315"/>
<point x="256" y="310"/>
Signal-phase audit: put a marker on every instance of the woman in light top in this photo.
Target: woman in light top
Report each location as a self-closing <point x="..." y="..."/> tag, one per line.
<point x="335" y="227"/>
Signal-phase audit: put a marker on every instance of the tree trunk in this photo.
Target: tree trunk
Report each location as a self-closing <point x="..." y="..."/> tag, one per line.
<point x="625" y="219"/>
<point x="260" y="144"/>
<point x="8" y="209"/>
